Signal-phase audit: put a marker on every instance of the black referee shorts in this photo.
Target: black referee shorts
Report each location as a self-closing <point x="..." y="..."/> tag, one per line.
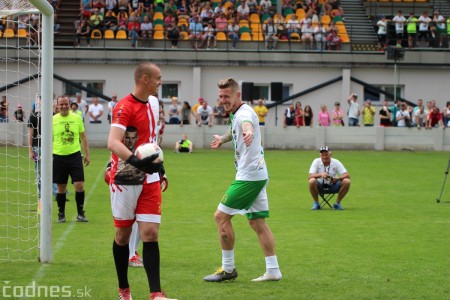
<point x="65" y="165"/>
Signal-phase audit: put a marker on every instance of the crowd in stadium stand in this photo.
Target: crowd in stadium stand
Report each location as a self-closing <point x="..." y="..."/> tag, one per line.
<point x="314" y="24"/>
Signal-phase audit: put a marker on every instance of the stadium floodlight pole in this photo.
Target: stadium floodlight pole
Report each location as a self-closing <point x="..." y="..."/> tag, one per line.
<point x="45" y="251"/>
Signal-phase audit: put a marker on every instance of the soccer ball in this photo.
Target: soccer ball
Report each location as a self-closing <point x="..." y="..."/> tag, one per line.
<point x="148" y="149"/>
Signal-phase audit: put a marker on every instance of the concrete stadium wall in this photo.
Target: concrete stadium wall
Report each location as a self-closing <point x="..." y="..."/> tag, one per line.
<point x="275" y="137"/>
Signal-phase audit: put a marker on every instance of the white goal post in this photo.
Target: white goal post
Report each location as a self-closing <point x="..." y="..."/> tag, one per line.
<point x="45" y="47"/>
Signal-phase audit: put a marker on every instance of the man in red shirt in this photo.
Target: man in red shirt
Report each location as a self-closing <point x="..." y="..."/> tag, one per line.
<point x="435" y="118"/>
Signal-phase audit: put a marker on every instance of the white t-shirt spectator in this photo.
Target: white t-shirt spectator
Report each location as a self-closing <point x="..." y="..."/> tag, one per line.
<point x="399" y="23"/>
<point x="265" y="4"/>
<point x="204" y="114"/>
<point x="424" y="22"/>
<point x="382" y="27"/>
<point x="95" y="110"/>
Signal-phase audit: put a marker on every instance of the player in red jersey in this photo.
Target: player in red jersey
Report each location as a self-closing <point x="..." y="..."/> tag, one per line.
<point x="136" y="196"/>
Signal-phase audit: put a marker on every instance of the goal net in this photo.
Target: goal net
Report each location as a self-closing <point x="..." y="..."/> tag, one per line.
<point x="21" y="84"/>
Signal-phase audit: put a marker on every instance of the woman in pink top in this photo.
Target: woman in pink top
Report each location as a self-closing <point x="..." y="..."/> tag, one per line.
<point x="324" y="116"/>
<point x="337" y="115"/>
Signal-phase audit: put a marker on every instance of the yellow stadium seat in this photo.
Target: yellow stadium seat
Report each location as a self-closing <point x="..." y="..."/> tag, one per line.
<point x="255" y="27"/>
<point x="96" y="34"/>
<point x="184" y="35"/>
<point x="158" y="15"/>
<point x="288" y="17"/>
<point x="245" y="36"/>
<point x="121" y="35"/>
<point x="158" y="35"/>
<point x="8" y="33"/>
<point x="325" y="20"/>
<point x="158" y="27"/>
<point x="344" y="37"/>
<point x="182" y="22"/>
<point x="300" y="12"/>
<point x="109" y="34"/>
<point x="22" y="33"/>
<point x="221" y="36"/>
<point x="255" y="19"/>
<point x="295" y="36"/>
<point x="257" y="36"/>
<point x="243" y="23"/>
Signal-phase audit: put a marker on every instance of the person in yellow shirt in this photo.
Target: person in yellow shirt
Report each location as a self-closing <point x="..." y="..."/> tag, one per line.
<point x="195" y="107"/>
<point x="368" y="113"/>
<point x="261" y="110"/>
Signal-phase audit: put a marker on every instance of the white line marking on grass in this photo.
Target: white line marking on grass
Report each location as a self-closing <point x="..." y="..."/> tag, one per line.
<point x="60" y="243"/>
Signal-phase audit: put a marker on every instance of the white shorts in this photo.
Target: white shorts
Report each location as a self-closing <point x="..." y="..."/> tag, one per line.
<point x="131" y="203"/>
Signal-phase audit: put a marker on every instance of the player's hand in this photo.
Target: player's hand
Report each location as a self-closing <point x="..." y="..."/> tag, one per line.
<point x="217" y="142"/>
<point x="146" y="165"/>
<point x="87" y="160"/>
<point x="248" y="138"/>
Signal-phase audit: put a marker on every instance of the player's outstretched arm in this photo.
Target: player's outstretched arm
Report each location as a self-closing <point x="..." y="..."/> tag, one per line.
<point x="220" y="139"/>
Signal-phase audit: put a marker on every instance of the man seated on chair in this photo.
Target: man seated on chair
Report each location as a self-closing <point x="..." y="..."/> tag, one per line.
<point x="328" y="176"/>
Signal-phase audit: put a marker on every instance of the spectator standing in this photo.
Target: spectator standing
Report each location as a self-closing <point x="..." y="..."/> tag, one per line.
<point x="82" y="105"/>
<point x="299" y="116"/>
<point x="309" y="116"/>
<point x="435" y="118"/>
<point x="196" y="106"/>
<point x="421" y="116"/>
<point x="399" y="21"/>
<point x="174" y="112"/>
<point x="142" y="188"/>
<point x="261" y="111"/>
<point x="411" y="28"/>
<point x="248" y="192"/>
<point x="394" y="109"/>
<point x="368" y="113"/>
<point x="205" y="115"/>
<point x="219" y="113"/>
<point x="4" y="105"/>
<point x="424" y="23"/>
<point x="74" y="109"/>
<point x="403" y="117"/>
<point x="185" y="114"/>
<point x="19" y="114"/>
<point x="446" y="114"/>
<point x="382" y="32"/>
<point x="324" y="118"/>
<point x="353" y="110"/>
<point x="111" y="105"/>
<point x="439" y="20"/>
<point x="289" y="116"/>
<point x="385" y="115"/>
<point x="95" y="111"/>
<point x="68" y="130"/>
<point x="337" y="115"/>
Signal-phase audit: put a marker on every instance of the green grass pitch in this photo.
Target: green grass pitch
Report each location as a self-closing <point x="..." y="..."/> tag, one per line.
<point x="391" y="241"/>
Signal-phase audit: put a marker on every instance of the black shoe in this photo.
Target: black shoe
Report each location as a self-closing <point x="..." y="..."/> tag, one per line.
<point x="61" y="218"/>
<point x="220" y="275"/>
<point x="81" y="217"/>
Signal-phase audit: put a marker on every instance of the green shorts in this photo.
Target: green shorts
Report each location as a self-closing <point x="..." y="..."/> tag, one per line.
<point x="247" y="197"/>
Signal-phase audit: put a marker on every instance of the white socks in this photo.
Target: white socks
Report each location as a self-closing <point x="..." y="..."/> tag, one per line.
<point x="228" y="260"/>
<point x="272" y="267"/>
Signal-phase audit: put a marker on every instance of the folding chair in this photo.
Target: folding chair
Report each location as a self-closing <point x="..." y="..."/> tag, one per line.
<point x="326" y="197"/>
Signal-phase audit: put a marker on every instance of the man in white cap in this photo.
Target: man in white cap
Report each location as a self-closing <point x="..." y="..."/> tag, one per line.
<point x="328" y="175"/>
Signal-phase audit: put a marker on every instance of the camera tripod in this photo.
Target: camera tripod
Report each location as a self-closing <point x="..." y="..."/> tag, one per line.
<point x="438" y="200"/>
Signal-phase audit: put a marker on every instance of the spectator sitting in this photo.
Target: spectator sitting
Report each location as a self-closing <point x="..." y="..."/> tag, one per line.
<point x="221" y="22"/>
<point x="243" y="11"/>
<point x="333" y="39"/>
<point x="19" y="114"/>
<point x="184" y="145"/>
<point x="265" y="5"/>
<point x="195" y="33"/>
<point x="99" y="5"/>
<point x="219" y="9"/>
<point x="147" y="29"/>
<point x="83" y="30"/>
<point x="328" y="175"/>
<point x="122" y="20"/>
<point x="133" y="28"/>
<point x="270" y="34"/>
<point x="96" y="20"/>
<point x="183" y="10"/>
<point x="307" y="35"/>
<point x="170" y="8"/>
<point x="210" y="34"/>
<point x="110" y="20"/>
<point x="253" y="6"/>
<point x="233" y="33"/>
